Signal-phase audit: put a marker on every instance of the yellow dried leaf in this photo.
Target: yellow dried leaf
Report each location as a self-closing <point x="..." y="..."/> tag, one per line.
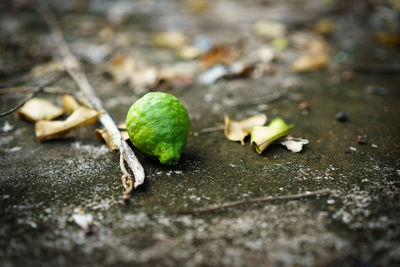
<point x="171" y="39"/>
<point x="40" y="109"/>
<point x="82" y="116"/>
<point x="324" y="26"/>
<point x="42" y="69"/>
<point x="269" y="29"/>
<point x="238" y="130"/>
<point x="69" y="104"/>
<point x="311" y="62"/>
<point x="103" y="135"/>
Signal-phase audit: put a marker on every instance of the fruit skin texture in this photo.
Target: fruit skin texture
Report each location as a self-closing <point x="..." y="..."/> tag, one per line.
<point x="158" y="125"/>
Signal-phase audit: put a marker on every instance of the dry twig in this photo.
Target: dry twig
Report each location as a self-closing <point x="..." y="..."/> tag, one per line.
<point x="257" y="200"/>
<point x="74" y="69"/>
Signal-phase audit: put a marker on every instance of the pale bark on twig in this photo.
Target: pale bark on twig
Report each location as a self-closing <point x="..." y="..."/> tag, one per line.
<point x="257" y="200"/>
<point x="74" y="69"/>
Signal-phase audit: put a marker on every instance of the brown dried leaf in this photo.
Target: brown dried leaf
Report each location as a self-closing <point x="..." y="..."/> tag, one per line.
<point x="40" y="109"/>
<point x="238" y="130"/>
<point x="219" y="55"/>
<point x="82" y="116"/>
<point x="69" y="104"/>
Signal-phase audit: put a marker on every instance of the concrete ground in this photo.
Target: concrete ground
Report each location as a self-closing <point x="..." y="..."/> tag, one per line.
<point x="43" y="184"/>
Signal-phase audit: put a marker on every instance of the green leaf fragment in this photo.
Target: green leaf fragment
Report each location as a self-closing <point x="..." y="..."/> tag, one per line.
<point x="263" y="136"/>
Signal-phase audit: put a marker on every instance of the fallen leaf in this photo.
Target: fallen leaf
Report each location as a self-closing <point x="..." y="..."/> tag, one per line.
<point x="189" y="52"/>
<point x="221" y="54"/>
<point x="312" y="61"/>
<point x="280" y="43"/>
<point x="120" y="68"/>
<point x="82" y="219"/>
<point x="42" y="69"/>
<point x="40" y="109"/>
<point x="82" y="116"/>
<point x="269" y="29"/>
<point x="171" y="39"/>
<point x="263" y="136"/>
<point x="324" y="26"/>
<point x="104" y="135"/>
<point x="143" y="78"/>
<point x="294" y="144"/>
<point x="238" y="130"/>
<point x="69" y="104"/>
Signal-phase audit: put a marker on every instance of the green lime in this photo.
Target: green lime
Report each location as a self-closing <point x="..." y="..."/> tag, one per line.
<point x="158" y="125"/>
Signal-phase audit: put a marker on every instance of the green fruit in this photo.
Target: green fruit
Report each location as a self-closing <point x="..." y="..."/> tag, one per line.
<point x="158" y="125"/>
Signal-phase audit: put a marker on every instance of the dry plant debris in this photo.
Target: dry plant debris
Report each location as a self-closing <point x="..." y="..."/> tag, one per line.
<point x="263" y="136"/>
<point x="238" y="130"/>
<point x="171" y="39"/>
<point x="69" y="104"/>
<point x="82" y="116"/>
<point x="37" y="109"/>
<point x="294" y="144"/>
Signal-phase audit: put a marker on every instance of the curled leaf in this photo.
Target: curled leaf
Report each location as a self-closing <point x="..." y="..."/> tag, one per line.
<point x="263" y="136"/>
<point x="269" y="29"/>
<point x="82" y="116"/>
<point x="69" y="104"/>
<point x="40" y="109"/>
<point x="294" y="144"/>
<point x="238" y="130"/>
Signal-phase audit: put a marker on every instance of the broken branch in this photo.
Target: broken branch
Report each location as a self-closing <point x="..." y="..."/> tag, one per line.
<point x="74" y="69"/>
<point x="257" y="200"/>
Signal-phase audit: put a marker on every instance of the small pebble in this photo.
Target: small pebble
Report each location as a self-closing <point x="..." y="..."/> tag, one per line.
<point x="374" y="146"/>
<point x="376" y="90"/>
<point x="361" y="140"/>
<point x="342" y="117"/>
<point x="304" y="105"/>
<point x="353" y="148"/>
<point x="330" y="201"/>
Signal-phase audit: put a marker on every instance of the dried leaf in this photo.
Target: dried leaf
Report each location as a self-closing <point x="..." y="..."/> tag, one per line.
<point x="121" y="68"/>
<point x="270" y="29"/>
<point x="219" y="55"/>
<point x="42" y="69"/>
<point x="69" y="104"/>
<point x="294" y="144"/>
<point x="172" y="39"/>
<point x="189" y="52"/>
<point x="82" y="116"/>
<point x="324" y="26"/>
<point x="104" y="135"/>
<point x="40" y="109"/>
<point x="312" y="61"/>
<point x="238" y="130"/>
<point x="144" y="77"/>
<point x="82" y="219"/>
<point x="263" y="136"/>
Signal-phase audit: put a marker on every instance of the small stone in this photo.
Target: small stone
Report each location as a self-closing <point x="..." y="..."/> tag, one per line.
<point x="342" y="116"/>
<point x="330" y="201"/>
<point x="361" y="140"/>
<point x="374" y="146"/>
<point x="304" y="106"/>
<point x="353" y="148"/>
<point x="376" y="90"/>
